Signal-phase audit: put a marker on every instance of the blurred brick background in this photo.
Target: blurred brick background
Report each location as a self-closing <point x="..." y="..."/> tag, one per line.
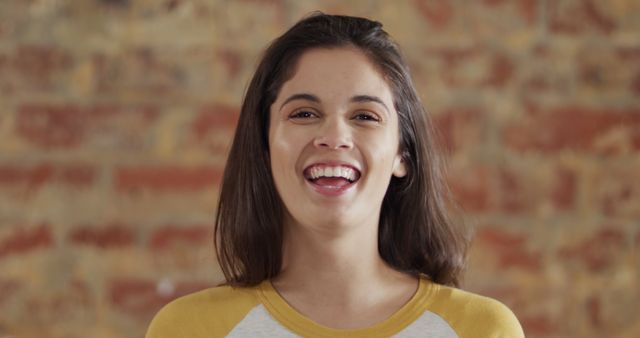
<point x="115" y="119"/>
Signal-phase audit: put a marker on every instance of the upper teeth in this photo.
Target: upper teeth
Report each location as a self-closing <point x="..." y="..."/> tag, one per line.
<point x="339" y="171"/>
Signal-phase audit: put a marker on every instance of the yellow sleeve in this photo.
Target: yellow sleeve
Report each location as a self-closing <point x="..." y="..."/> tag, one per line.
<point x="476" y="316"/>
<point x="497" y="322"/>
<point x="209" y="313"/>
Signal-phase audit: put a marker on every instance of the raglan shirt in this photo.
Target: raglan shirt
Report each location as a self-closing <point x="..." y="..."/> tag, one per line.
<point x="434" y="311"/>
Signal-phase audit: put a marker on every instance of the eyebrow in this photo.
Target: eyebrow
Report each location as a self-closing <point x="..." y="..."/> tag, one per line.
<point x="315" y="99"/>
<point x="302" y="96"/>
<point x="369" y="98"/>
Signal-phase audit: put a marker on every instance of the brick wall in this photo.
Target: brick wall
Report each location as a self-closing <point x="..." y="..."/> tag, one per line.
<point x="115" y="117"/>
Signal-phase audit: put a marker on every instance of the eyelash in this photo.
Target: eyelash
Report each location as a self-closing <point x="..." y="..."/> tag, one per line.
<point x="360" y="116"/>
<point x="298" y="114"/>
<point x="363" y="116"/>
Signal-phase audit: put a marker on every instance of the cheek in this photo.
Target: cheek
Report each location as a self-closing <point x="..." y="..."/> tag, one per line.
<point x="285" y="148"/>
<point x="278" y="151"/>
<point x="382" y="150"/>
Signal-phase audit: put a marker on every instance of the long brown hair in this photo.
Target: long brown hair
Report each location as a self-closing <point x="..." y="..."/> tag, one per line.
<point x="415" y="235"/>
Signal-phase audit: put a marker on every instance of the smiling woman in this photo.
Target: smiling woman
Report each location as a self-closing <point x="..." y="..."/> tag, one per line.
<point x="332" y="219"/>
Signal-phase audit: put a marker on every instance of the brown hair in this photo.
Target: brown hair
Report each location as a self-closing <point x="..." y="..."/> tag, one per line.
<point x="415" y="235"/>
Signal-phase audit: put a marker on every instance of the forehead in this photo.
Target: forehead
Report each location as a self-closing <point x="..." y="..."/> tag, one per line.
<point x="336" y="73"/>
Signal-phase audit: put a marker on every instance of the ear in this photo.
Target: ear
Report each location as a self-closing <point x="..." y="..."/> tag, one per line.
<point x="399" y="168"/>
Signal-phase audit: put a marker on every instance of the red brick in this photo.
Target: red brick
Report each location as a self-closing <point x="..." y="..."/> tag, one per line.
<point x="22" y="240"/>
<point x="628" y="53"/>
<point x="38" y="63"/>
<point x="50" y="126"/>
<point x="452" y="59"/>
<point x="541" y="80"/>
<point x="523" y="190"/>
<point x="9" y="288"/>
<point x="598" y="251"/>
<point x="513" y="199"/>
<point x="617" y="190"/>
<point x="232" y="61"/>
<point x="172" y="5"/>
<point x="500" y="239"/>
<point x="117" y="3"/>
<point x="170" y="236"/>
<point x="635" y="84"/>
<point x="520" y="259"/>
<point x="612" y="200"/>
<point x="167" y="178"/>
<point x="568" y="128"/>
<point x="212" y="129"/>
<point x="438" y="13"/>
<point x="604" y="71"/>
<point x="77" y="175"/>
<point x="471" y="188"/>
<point x="493" y="2"/>
<point x="564" y="190"/>
<point x="76" y="298"/>
<point x="105" y="237"/>
<point x="214" y="118"/>
<point x="453" y="55"/>
<point x="35" y="176"/>
<point x="578" y="16"/>
<point x="137" y="70"/>
<point x="264" y="2"/>
<point x="529" y="10"/>
<point x="60" y="303"/>
<point x="136" y="296"/>
<point x="4" y="64"/>
<point x="460" y="128"/>
<point x="142" y="299"/>
<point x="500" y="72"/>
<point x="539" y="325"/>
<point x="498" y="67"/>
<point x="510" y="249"/>
<point x="594" y="311"/>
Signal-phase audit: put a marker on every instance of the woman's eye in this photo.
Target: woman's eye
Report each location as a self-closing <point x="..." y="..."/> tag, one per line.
<point x="366" y="117"/>
<point x="302" y="114"/>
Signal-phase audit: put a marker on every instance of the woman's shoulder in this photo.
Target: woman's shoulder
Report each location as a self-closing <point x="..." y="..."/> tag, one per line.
<point x="214" y="299"/>
<point x="474" y="315"/>
<point x="206" y="313"/>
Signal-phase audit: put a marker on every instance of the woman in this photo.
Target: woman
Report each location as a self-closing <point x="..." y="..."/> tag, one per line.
<point x="332" y="216"/>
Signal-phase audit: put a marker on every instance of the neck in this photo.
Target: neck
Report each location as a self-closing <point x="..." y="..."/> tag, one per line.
<point x="340" y="267"/>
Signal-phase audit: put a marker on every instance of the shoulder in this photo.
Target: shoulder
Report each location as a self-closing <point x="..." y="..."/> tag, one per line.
<point x="473" y="315"/>
<point x="206" y="313"/>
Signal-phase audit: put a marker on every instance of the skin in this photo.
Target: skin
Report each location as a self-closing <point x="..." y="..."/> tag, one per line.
<point x="332" y="271"/>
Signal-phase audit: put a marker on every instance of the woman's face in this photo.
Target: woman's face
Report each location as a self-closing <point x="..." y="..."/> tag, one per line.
<point x="333" y="140"/>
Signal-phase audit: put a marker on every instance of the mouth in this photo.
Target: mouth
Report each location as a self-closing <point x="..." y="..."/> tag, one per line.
<point x="331" y="179"/>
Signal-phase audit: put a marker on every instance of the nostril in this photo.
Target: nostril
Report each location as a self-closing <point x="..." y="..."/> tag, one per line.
<point x="332" y="144"/>
<point x="321" y="144"/>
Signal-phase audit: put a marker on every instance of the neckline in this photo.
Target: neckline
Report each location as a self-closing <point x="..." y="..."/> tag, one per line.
<point x="299" y="324"/>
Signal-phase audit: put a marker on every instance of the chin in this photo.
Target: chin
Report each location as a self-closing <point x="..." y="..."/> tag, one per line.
<point x="334" y="219"/>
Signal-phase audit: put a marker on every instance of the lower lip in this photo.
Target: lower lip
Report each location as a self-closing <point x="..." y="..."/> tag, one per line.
<point x="331" y="191"/>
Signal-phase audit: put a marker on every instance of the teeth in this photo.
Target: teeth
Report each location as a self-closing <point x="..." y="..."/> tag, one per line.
<point x="339" y="171"/>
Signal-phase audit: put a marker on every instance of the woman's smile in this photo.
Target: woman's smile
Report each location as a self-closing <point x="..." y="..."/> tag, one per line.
<point x="331" y="178"/>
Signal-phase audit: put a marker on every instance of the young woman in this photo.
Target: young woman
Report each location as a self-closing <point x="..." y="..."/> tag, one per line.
<point x="332" y="219"/>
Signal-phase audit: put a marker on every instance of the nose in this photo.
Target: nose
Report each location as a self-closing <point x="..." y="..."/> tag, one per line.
<point x="334" y="134"/>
